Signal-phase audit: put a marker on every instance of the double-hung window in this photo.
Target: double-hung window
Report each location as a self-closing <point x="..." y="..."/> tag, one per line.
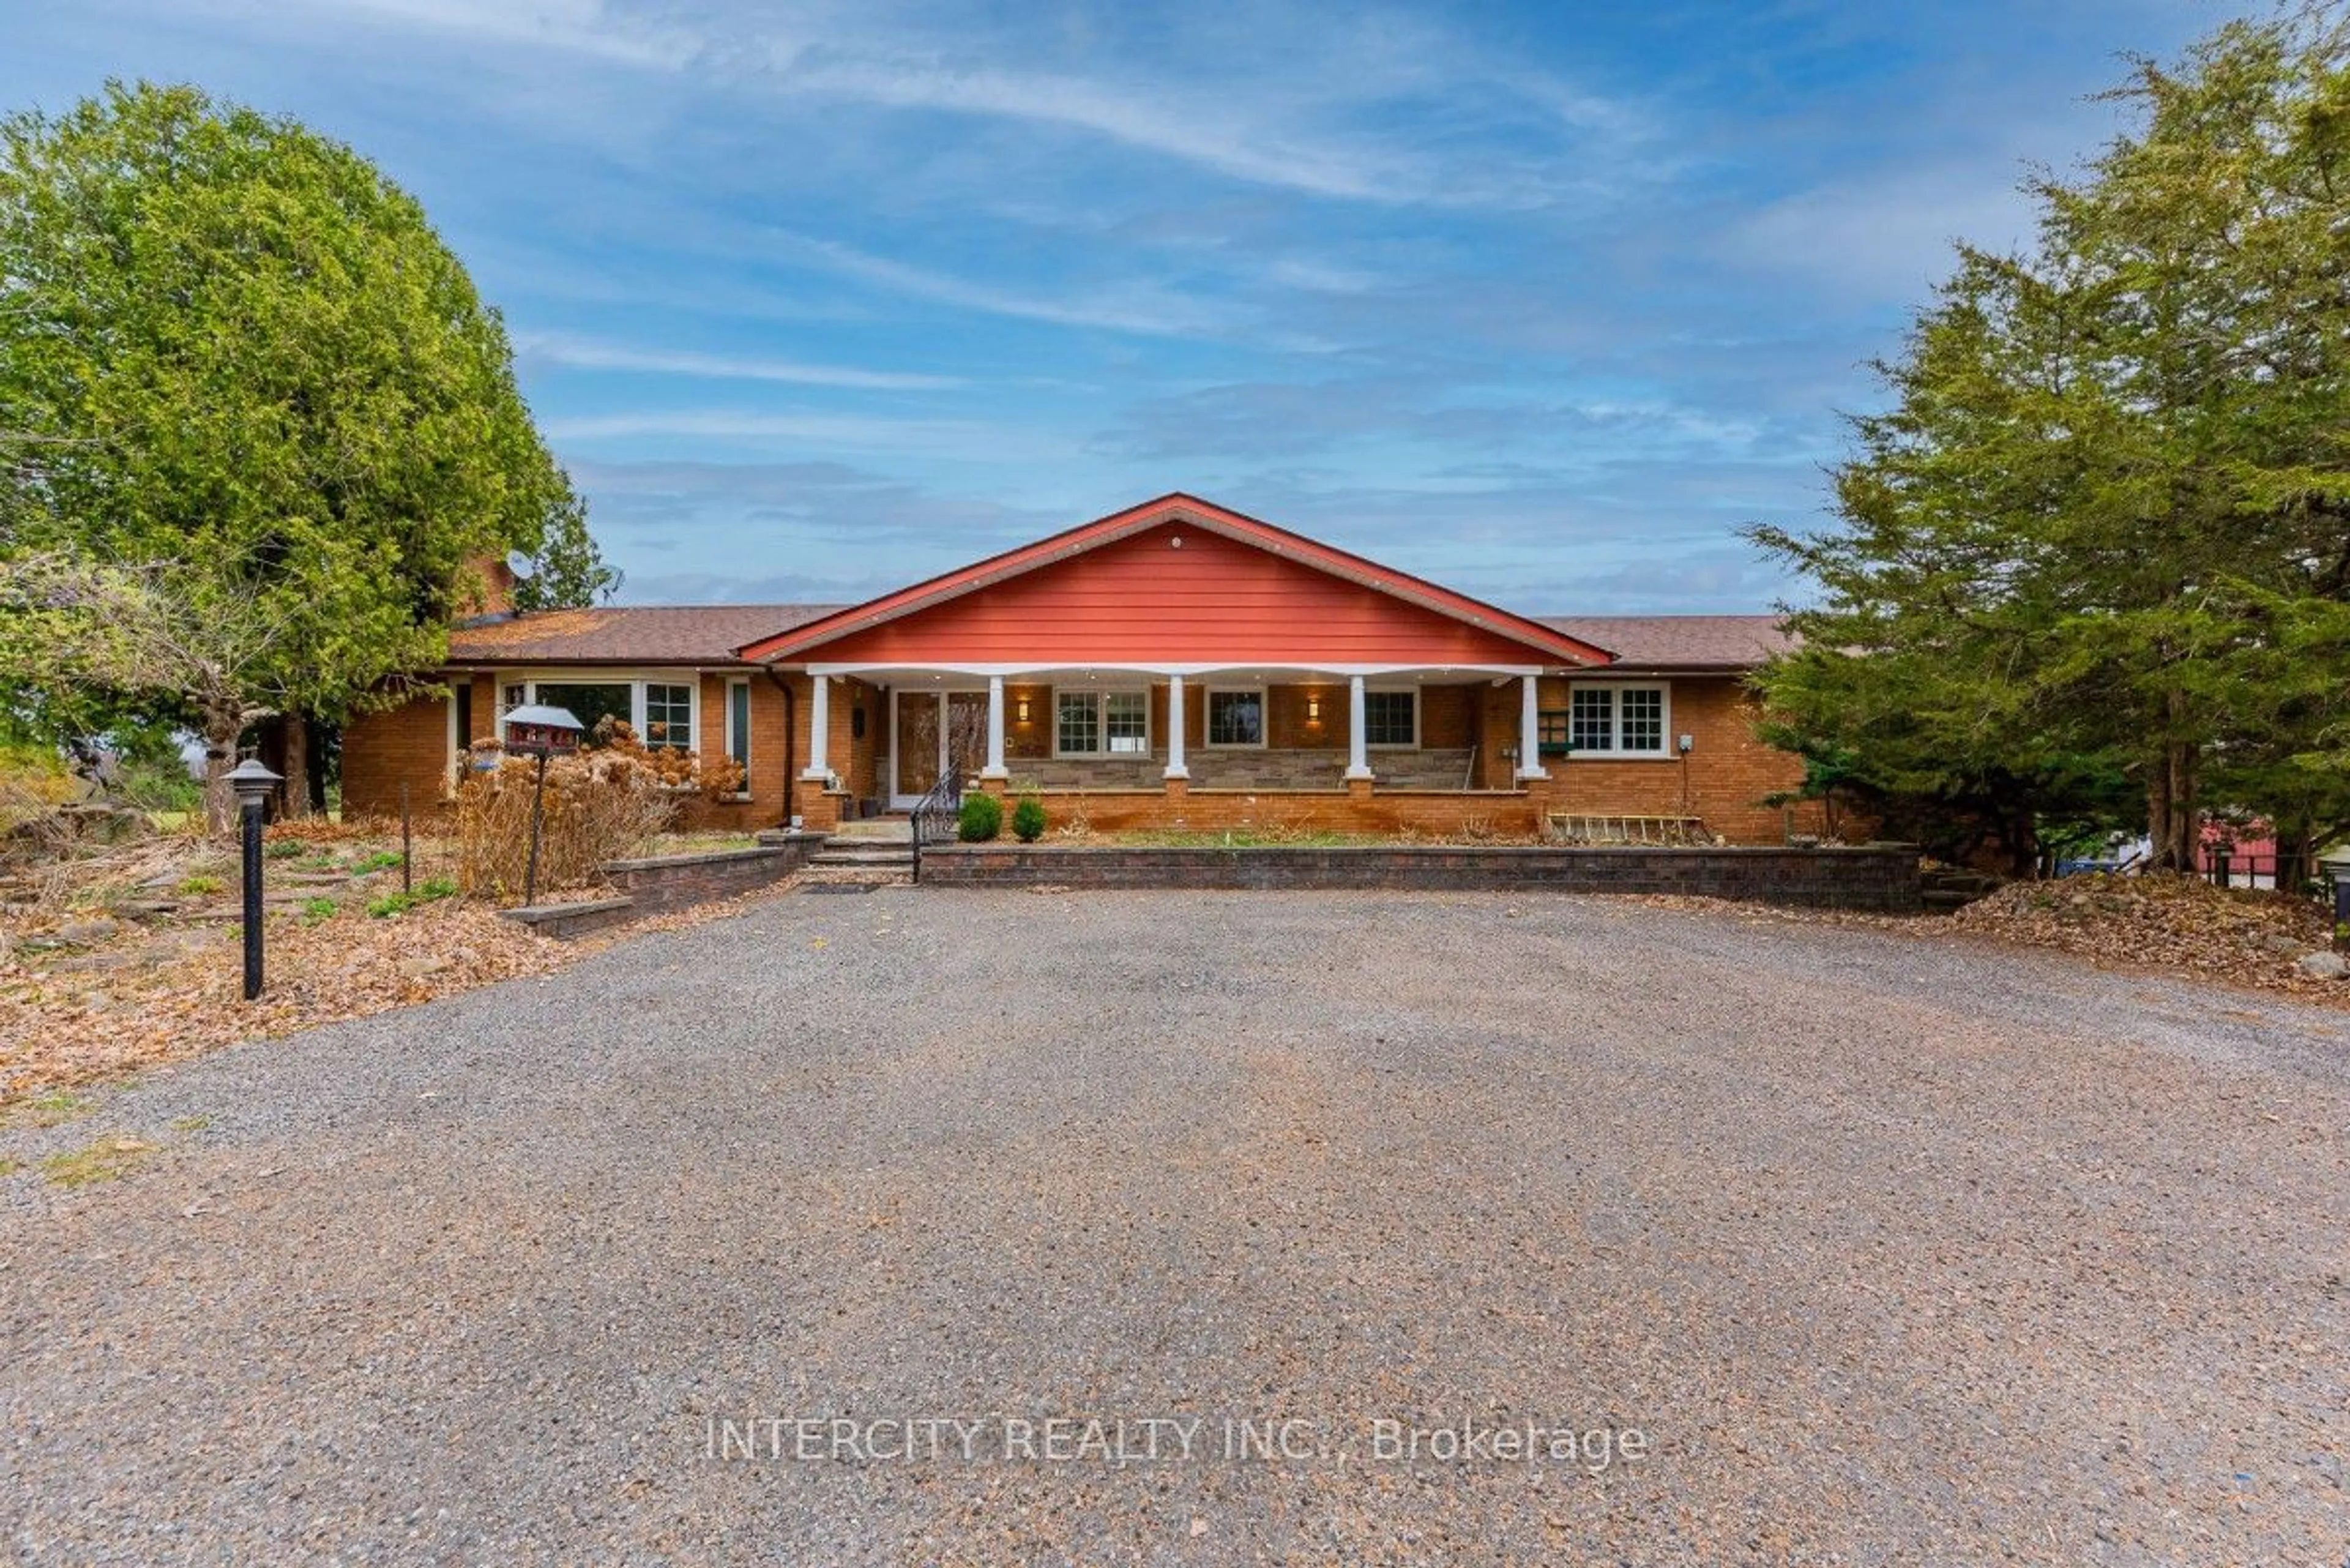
<point x="669" y="716"/>
<point x="1616" y="721"/>
<point x="1391" y="718"/>
<point x="1101" y="724"/>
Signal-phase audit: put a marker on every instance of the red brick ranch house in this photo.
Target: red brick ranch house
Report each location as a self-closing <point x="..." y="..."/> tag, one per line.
<point x="1176" y="665"/>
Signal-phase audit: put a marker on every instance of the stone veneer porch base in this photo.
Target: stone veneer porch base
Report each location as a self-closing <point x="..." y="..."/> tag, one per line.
<point x="1881" y="877"/>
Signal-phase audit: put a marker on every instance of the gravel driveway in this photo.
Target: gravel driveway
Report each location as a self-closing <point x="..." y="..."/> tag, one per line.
<point x="1817" y="1244"/>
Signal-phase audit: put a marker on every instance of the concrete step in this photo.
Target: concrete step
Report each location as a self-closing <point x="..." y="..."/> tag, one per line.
<point x="858" y="855"/>
<point x="874" y="830"/>
<point x="871" y="875"/>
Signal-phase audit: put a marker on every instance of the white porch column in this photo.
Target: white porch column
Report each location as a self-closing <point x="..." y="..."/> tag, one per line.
<point x="1175" y="768"/>
<point x="995" y="768"/>
<point x="1530" y="732"/>
<point x="819" y="763"/>
<point x="1359" y="753"/>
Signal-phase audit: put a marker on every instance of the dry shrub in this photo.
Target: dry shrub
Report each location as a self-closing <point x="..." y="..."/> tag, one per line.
<point x="323" y="829"/>
<point x="606" y="802"/>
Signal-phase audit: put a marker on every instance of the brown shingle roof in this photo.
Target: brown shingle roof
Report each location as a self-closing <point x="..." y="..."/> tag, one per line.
<point x="635" y="634"/>
<point x="1680" y="642"/>
<point x="708" y="634"/>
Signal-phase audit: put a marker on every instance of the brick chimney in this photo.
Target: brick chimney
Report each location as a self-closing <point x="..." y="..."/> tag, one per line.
<point x="485" y="585"/>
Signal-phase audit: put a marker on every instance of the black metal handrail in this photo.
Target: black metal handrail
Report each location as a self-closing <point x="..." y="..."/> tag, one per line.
<point x="938" y="816"/>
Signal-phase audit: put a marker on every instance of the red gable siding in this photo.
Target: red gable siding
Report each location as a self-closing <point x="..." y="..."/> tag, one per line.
<point x="1140" y="599"/>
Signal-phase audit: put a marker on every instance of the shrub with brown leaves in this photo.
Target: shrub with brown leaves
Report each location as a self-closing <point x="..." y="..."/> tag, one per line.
<point x="600" y="805"/>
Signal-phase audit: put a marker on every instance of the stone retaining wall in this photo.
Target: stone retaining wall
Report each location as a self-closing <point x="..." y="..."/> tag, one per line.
<point x="1877" y="877"/>
<point x="663" y="882"/>
<point x="670" y="881"/>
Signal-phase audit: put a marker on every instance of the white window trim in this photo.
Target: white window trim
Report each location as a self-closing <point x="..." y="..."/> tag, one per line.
<point x="1410" y="745"/>
<point x="1614" y="752"/>
<point x="1208" y="713"/>
<point x="636" y="680"/>
<point x="460" y="746"/>
<point x="1101" y="724"/>
<point x="733" y="742"/>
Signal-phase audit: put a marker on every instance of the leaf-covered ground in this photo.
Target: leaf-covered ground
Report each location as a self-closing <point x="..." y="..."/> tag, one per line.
<point x="144" y="997"/>
<point x="2178" y="924"/>
<point x="127" y="957"/>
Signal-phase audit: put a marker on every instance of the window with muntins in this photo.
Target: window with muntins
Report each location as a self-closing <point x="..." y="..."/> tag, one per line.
<point x="1126" y="724"/>
<point x="1615" y="720"/>
<point x="1078" y="724"/>
<point x="1101" y="724"/>
<point x="1236" y="718"/>
<point x="669" y="716"/>
<point x="1640" y="719"/>
<point x="1594" y="719"/>
<point x="1390" y="718"/>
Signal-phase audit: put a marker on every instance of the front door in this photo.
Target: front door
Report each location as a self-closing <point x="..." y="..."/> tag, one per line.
<point x="967" y="733"/>
<point x="926" y="729"/>
<point x="914" y="746"/>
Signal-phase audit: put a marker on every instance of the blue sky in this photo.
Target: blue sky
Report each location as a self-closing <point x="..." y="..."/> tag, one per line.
<point x="1541" y="301"/>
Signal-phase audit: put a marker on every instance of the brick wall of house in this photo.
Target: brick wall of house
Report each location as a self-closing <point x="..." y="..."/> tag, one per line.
<point x="383" y="750"/>
<point x="857" y="759"/>
<point x="1033" y="738"/>
<point x="1723" y="780"/>
<point x="409" y="744"/>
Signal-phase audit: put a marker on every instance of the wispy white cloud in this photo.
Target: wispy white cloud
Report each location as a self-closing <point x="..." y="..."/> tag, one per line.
<point x="947" y="439"/>
<point x="583" y="353"/>
<point x="1334" y="120"/>
<point x="574" y="27"/>
<point x="1142" y="307"/>
<point x="1212" y="133"/>
<point x="1886" y="236"/>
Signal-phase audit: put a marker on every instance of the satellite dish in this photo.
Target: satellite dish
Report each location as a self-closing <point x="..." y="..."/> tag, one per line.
<point x="519" y="564"/>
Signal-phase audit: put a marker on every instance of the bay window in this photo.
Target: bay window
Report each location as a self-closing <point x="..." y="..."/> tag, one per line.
<point x="663" y="710"/>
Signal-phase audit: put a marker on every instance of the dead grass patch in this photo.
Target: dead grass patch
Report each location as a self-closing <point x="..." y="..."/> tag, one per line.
<point x="117" y="1154"/>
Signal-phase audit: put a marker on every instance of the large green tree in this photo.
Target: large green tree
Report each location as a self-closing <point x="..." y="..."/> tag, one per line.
<point x="567" y="571"/>
<point x="2102" y="530"/>
<point x="238" y="366"/>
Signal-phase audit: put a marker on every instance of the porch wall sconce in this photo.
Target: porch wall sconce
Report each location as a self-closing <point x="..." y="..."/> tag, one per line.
<point x="1314" y="707"/>
<point x="1023" y="709"/>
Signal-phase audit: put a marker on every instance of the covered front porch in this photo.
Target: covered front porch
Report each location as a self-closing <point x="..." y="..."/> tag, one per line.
<point x="1178" y="663"/>
<point x="1159" y="745"/>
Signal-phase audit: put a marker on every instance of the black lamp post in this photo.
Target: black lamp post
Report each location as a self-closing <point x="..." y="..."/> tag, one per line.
<point x="540" y="731"/>
<point x="253" y="781"/>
